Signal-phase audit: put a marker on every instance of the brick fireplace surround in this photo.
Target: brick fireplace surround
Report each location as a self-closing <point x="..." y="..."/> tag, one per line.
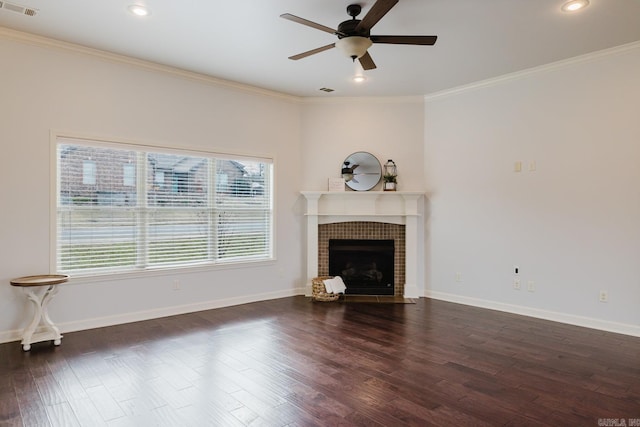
<point x="364" y="230"/>
<point x="367" y="215"/>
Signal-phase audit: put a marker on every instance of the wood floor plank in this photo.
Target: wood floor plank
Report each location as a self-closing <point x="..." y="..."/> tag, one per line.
<point x="86" y="412"/>
<point x="293" y="362"/>
<point x="65" y="377"/>
<point x="61" y="414"/>
<point x="104" y="403"/>
<point x="9" y="409"/>
<point x="32" y="409"/>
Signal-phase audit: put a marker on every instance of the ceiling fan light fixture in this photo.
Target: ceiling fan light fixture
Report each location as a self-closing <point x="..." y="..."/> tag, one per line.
<point x="354" y="46"/>
<point x="359" y="78"/>
<point x="574" y="5"/>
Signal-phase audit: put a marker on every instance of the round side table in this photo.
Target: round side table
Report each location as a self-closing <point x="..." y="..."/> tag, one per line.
<point x="40" y="290"/>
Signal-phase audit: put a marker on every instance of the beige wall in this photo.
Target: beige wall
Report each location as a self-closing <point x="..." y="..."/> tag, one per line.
<point x="388" y="128"/>
<point x="573" y="224"/>
<point x="45" y="88"/>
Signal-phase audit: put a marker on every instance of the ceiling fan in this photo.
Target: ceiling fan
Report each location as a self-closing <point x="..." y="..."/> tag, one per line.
<point x="348" y="171"/>
<point x="354" y="35"/>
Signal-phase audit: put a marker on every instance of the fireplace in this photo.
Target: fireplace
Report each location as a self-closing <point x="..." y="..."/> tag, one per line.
<point x="366" y="266"/>
<point x="367" y="231"/>
<point x="368" y="215"/>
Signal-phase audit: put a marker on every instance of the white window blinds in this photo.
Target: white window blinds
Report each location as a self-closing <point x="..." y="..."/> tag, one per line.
<point x="146" y="208"/>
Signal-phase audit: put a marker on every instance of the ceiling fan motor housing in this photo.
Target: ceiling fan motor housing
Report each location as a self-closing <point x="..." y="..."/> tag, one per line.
<point x="348" y="29"/>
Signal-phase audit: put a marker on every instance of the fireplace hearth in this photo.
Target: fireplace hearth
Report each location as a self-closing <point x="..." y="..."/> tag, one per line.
<point x="366" y="266"/>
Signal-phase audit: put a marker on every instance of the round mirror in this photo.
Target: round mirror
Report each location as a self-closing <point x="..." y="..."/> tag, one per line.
<point x="361" y="171"/>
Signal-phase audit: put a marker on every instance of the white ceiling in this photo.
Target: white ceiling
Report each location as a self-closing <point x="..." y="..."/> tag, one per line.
<point x="247" y="42"/>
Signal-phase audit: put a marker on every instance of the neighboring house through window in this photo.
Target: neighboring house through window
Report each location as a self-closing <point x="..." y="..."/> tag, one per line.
<point x="191" y="208"/>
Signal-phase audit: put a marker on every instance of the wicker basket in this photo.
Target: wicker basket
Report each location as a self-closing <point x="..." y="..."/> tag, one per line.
<point x="319" y="292"/>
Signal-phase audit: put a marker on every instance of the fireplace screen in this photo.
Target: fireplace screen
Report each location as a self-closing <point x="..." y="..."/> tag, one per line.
<point x="366" y="266"/>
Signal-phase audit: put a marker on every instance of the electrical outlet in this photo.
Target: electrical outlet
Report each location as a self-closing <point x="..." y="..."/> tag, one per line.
<point x="604" y="296"/>
<point x="458" y="276"/>
<point x="531" y="286"/>
<point x="176" y="285"/>
<point x="516" y="284"/>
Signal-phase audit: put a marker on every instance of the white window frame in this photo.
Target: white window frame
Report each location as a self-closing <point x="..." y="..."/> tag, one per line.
<point x="58" y="138"/>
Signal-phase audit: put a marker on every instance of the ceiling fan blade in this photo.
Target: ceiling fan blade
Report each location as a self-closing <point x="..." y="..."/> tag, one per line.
<point x="312" y="52"/>
<point x="367" y="62"/>
<point x="419" y="40"/>
<point x="377" y="11"/>
<point x="308" y="23"/>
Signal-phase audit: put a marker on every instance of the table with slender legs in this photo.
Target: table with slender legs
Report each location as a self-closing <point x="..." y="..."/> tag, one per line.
<point x="40" y="290"/>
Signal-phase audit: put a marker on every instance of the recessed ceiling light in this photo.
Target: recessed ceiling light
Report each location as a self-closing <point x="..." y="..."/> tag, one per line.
<point x="574" y="5"/>
<point x="139" y="10"/>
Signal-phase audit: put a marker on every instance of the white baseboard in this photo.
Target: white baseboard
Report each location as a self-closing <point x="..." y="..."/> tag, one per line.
<point x="411" y="291"/>
<point x="99" y="322"/>
<point x="587" y="322"/>
<point x="8" y="336"/>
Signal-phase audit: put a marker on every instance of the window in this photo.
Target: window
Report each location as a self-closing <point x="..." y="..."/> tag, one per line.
<point x="190" y="208"/>
<point x="88" y="172"/>
<point x="129" y="175"/>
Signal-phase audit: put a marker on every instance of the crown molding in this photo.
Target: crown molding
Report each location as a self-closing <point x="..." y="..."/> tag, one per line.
<point x="36" y="40"/>
<point x="417" y="99"/>
<point x="553" y="66"/>
<point x="32" y="39"/>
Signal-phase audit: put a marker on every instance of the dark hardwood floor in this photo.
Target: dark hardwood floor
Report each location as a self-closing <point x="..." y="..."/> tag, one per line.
<point x="292" y="362"/>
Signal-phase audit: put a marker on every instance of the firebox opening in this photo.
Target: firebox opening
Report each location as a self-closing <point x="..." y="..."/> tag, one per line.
<point x="366" y="266"/>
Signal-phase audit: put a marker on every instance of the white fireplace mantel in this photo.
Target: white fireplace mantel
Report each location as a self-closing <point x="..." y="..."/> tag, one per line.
<point x="380" y="206"/>
<point x="395" y="207"/>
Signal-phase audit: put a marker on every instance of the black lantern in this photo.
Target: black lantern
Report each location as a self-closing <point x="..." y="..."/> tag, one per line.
<point x="390" y="176"/>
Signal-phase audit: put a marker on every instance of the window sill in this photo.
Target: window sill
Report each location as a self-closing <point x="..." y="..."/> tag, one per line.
<point x="77" y="279"/>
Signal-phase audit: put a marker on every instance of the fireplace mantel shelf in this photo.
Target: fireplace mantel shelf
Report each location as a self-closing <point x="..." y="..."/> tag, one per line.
<point x="360" y="214"/>
<point x="374" y="204"/>
<point x="361" y="193"/>
<point x="310" y="195"/>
